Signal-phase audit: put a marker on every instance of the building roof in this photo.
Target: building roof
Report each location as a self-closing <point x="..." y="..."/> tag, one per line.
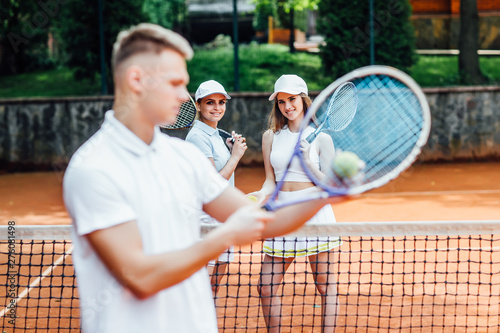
<point x="225" y="7"/>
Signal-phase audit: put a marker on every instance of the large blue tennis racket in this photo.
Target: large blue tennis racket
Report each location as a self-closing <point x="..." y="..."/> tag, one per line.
<point x="387" y="133"/>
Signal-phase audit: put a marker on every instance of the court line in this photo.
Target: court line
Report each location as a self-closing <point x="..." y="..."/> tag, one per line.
<point x="37" y="281"/>
<point x="428" y="193"/>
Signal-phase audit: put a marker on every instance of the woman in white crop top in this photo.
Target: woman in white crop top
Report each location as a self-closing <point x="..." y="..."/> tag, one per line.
<point x="211" y="104"/>
<point x="290" y="103"/>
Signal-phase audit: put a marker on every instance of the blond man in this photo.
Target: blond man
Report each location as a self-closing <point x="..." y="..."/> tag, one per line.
<point x="135" y="194"/>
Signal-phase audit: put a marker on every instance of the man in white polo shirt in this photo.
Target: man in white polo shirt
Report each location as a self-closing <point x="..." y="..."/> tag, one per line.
<point x="135" y="194"/>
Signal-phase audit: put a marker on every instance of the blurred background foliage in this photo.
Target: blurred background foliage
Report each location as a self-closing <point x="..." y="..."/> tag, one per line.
<point x="51" y="47"/>
<point x="347" y="31"/>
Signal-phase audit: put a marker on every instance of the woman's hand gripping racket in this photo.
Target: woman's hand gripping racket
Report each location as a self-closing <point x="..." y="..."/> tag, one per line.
<point x="186" y="116"/>
<point x="379" y="140"/>
<point x="225" y="135"/>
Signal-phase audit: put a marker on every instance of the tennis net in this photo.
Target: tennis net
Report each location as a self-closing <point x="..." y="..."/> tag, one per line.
<point x="391" y="276"/>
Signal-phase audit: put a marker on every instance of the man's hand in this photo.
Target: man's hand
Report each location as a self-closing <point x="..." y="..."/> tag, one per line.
<point x="247" y="224"/>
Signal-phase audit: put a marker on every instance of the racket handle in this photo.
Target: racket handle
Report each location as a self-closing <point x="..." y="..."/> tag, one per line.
<point x="311" y="137"/>
<point x="225" y="135"/>
<point x="266" y="207"/>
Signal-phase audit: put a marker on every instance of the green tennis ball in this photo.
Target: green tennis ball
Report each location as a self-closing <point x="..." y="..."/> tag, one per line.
<point x="252" y="198"/>
<point x="346" y="164"/>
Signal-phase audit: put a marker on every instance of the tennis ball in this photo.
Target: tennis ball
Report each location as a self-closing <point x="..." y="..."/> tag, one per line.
<point x="347" y="164"/>
<point x="252" y="197"/>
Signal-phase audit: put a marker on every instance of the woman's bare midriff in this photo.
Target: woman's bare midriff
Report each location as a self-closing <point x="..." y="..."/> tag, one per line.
<point x="296" y="186"/>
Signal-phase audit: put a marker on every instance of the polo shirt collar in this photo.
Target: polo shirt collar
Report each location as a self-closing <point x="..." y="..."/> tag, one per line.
<point x="126" y="138"/>
<point x="205" y="128"/>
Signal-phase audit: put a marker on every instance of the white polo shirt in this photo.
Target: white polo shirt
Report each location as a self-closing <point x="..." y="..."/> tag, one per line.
<point x="208" y="140"/>
<point x="114" y="178"/>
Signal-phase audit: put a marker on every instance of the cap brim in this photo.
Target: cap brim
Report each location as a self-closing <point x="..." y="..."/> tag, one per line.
<point x="213" y="93"/>
<point x="273" y="96"/>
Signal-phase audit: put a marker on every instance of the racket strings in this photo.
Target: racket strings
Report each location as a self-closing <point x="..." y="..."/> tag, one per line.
<point x="405" y="132"/>
<point x="399" y="143"/>
<point x="338" y="112"/>
<point x="402" y="96"/>
<point x="342" y="112"/>
<point x="187" y="113"/>
<point x="383" y="134"/>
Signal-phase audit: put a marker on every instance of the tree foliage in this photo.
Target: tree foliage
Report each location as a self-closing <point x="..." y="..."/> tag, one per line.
<point x="264" y="9"/>
<point x="468" y="44"/>
<point x="285" y="14"/>
<point x="78" y="27"/>
<point x="170" y="14"/>
<point x="346" y="27"/>
<point x="24" y="28"/>
<point x="280" y="14"/>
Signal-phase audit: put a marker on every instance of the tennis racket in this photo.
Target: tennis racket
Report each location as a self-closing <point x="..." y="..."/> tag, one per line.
<point x="339" y="112"/>
<point x="225" y="135"/>
<point x="389" y="129"/>
<point x="186" y="116"/>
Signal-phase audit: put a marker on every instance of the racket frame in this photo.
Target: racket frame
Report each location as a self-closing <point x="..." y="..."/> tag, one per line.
<point x="329" y="112"/>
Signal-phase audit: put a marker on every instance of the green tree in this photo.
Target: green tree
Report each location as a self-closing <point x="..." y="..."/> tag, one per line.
<point x="468" y="44"/>
<point x="263" y="9"/>
<point x="285" y="12"/>
<point x="24" y="30"/>
<point x="292" y="7"/>
<point x="78" y="27"/>
<point x="346" y="27"/>
<point x="170" y="14"/>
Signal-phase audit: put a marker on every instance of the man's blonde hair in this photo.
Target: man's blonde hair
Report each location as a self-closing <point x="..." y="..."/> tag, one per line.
<point x="148" y="38"/>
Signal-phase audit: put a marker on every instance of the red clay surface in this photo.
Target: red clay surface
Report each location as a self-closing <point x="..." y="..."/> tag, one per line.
<point x="423" y="193"/>
<point x="426" y="192"/>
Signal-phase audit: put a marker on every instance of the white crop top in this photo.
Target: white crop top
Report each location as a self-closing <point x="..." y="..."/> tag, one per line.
<point x="282" y="147"/>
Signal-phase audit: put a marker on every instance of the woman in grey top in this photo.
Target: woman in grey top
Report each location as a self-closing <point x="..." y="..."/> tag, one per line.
<point x="224" y="155"/>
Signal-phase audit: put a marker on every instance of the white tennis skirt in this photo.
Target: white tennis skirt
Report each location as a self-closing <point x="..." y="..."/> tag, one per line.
<point x="224" y="257"/>
<point x="289" y="247"/>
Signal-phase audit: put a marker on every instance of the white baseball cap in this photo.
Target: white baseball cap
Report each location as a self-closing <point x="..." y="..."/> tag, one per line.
<point x="208" y="88"/>
<point x="290" y="84"/>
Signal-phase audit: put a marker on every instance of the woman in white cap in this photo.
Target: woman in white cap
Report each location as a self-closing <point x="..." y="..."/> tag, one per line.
<point x="290" y="104"/>
<point x="210" y="100"/>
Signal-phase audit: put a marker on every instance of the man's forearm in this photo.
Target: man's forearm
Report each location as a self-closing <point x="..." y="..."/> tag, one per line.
<point x="121" y="250"/>
<point x="290" y="218"/>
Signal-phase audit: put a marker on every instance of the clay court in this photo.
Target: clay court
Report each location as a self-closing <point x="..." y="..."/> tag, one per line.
<point x="426" y="192"/>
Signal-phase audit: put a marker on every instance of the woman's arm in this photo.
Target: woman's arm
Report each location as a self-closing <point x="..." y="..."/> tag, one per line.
<point x="237" y="151"/>
<point x="205" y="145"/>
<point x="326" y="152"/>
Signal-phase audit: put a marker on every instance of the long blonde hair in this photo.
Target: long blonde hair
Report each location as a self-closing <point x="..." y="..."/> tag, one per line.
<point x="276" y="121"/>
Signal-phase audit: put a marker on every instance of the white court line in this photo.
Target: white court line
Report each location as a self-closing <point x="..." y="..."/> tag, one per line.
<point x="428" y="193"/>
<point x="37" y="281"/>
